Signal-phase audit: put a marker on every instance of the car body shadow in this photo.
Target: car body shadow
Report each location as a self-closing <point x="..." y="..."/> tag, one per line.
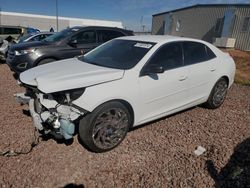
<point x="72" y="185"/>
<point x="160" y="119"/>
<point x="236" y="173"/>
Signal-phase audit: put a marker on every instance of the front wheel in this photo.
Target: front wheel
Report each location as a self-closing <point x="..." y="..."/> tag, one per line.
<point x="106" y="127"/>
<point x="218" y="94"/>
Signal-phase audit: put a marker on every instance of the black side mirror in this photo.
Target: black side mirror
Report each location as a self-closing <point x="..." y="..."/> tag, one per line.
<point x="73" y="42"/>
<point x="153" y="69"/>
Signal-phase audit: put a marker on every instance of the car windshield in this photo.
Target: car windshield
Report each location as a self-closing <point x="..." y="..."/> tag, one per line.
<point x="23" y="38"/>
<point x="61" y="35"/>
<point x="118" y="54"/>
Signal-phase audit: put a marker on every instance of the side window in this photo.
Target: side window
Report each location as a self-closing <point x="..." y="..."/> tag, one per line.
<point x="210" y="53"/>
<point x="194" y="52"/>
<point x="85" y="37"/>
<point x="169" y="56"/>
<point x="109" y="34"/>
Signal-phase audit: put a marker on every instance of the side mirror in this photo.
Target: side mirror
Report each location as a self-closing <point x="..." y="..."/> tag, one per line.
<point x="153" y="69"/>
<point x="73" y="42"/>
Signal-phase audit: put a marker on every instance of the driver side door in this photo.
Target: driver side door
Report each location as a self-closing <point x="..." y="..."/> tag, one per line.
<point x="164" y="92"/>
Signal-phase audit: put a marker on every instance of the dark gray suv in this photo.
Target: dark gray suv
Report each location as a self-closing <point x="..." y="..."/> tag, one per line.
<point x="68" y="43"/>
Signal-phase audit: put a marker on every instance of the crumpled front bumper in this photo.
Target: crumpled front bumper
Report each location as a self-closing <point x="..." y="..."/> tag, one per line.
<point x="58" y="123"/>
<point x="23" y="99"/>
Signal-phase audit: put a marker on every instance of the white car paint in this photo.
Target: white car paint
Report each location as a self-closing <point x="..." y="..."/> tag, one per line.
<point x="68" y="74"/>
<point x="149" y="97"/>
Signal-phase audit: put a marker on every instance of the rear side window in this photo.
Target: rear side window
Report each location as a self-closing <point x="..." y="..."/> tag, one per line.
<point x="195" y="52"/>
<point x="168" y="56"/>
<point x="107" y="35"/>
<point x="210" y="53"/>
<point x="85" y="37"/>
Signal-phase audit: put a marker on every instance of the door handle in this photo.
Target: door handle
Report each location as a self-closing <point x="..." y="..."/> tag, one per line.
<point x="182" y="78"/>
<point x="212" y="69"/>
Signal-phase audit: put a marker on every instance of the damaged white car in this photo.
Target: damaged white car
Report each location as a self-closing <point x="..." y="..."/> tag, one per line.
<point x="124" y="83"/>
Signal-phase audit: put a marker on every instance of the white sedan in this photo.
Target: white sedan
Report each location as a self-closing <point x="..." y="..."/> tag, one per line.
<point x="124" y="83"/>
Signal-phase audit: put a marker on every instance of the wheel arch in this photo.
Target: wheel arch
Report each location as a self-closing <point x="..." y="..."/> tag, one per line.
<point x="226" y="78"/>
<point x="45" y="57"/>
<point x="126" y="104"/>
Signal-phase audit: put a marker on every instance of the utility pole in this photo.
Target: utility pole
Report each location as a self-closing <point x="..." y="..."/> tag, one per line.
<point x="0" y="15"/>
<point x="57" y="15"/>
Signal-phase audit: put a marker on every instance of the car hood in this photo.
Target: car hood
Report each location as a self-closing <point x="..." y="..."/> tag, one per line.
<point x="28" y="45"/>
<point x="68" y="74"/>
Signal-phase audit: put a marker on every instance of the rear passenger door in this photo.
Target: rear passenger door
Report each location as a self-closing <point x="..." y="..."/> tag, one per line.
<point x="106" y="35"/>
<point x="200" y="61"/>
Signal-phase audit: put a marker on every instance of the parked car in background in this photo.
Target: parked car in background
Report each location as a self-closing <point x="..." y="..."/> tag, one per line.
<point x="3" y="48"/>
<point x="38" y="36"/>
<point x="11" y="33"/>
<point x="124" y="83"/>
<point x="68" y="43"/>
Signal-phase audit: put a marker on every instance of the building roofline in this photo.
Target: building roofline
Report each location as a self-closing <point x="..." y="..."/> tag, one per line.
<point x="52" y="17"/>
<point x="203" y="5"/>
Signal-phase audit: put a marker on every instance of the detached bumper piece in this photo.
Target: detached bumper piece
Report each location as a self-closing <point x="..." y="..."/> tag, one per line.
<point x="49" y="116"/>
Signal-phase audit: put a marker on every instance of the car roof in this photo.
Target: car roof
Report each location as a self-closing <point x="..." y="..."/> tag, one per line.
<point x="100" y="27"/>
<point x="158" y="38"/>
<point x="41" y="33"/>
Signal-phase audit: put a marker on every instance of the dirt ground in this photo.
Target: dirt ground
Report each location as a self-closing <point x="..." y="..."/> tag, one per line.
<point x="242" y="60"/>
<point x="159" y="154"/>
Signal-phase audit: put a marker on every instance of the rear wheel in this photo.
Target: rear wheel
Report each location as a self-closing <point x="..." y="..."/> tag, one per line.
<point x="218" y="94"/>
<point x="45" y="61"/>
<point x="106" y="127"/>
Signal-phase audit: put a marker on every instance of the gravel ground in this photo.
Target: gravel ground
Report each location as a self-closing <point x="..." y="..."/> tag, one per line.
<point x="159" y="154"/>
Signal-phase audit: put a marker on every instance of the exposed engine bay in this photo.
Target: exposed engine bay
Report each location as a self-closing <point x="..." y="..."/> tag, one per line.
<point x="52" y="113"/>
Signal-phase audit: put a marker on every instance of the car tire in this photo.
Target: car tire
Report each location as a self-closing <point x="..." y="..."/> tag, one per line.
<point x="218" y="94"/>
<point x="105" y="127"/>
<point x="45" y="61"/>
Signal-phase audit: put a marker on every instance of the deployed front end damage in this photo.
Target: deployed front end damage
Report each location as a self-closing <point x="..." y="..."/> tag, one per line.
<point x="52" y="113"/>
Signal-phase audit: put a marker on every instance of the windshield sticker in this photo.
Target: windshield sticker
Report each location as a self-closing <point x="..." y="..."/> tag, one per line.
<point x="143" y="45"/>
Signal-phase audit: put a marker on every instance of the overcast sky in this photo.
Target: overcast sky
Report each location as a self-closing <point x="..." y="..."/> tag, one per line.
<point x="132" y="13"/>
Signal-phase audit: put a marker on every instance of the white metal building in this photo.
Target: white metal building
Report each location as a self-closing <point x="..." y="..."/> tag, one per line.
<point x="44" y="23"/>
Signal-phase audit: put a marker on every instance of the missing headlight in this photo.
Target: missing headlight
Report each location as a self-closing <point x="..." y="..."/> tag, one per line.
<point x="76" y="93"/>
<point x="61" y="97"/>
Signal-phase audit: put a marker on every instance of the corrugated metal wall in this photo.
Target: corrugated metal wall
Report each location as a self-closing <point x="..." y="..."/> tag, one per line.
<point x="242" y="38"/>
<point x="199" y="22"/>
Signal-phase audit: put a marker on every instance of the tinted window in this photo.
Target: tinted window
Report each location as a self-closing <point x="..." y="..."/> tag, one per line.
<point x="194" y="52"/>
<point x="210" y="53"/>
<point x="119" y="54"/>
<point x="109" y="34"/>
<point x="85" y="37"/>
<point x="11" y="31"/>
<point x="169" y="56"/>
